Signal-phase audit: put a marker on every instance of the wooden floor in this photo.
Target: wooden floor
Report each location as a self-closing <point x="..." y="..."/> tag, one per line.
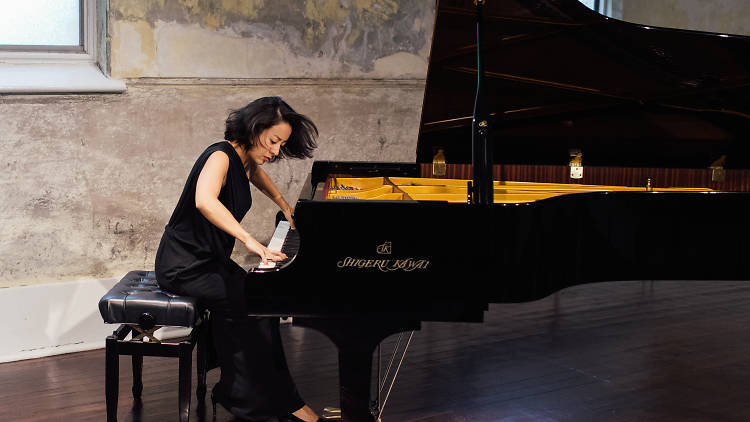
<point x="629" y="351"/>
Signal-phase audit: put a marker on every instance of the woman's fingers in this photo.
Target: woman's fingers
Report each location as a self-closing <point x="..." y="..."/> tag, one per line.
<point x="273" y="256"/>
<point x="263" y="252"/>
<point x="253" y="246"/>
<point x="276" y="256"/>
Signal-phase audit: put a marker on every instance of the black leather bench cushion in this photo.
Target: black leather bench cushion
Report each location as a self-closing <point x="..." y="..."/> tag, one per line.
<point x="138" y="293"/>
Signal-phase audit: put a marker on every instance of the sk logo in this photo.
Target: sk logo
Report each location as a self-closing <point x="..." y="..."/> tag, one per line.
<point x="385" y="248"/>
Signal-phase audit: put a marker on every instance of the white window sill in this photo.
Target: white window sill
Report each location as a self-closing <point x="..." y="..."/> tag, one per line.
<point x="56" y="78"/>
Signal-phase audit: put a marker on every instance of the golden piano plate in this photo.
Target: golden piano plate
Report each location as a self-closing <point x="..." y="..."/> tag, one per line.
<point x="455" y="190"/>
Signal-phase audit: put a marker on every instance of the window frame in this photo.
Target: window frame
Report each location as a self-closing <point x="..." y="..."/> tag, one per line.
<point x="43" y="70"/>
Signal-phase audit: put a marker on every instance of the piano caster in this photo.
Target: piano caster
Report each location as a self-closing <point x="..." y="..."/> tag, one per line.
<point x="332" y="413"/>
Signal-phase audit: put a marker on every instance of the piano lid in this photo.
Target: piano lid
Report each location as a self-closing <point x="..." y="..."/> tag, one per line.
<point x="561" y="77"/>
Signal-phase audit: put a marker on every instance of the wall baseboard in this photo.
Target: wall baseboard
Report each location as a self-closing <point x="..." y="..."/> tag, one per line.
<point x="56" y="318"/>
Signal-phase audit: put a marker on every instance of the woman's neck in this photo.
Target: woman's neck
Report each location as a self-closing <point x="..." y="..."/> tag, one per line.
<point x="247" y="163"/>
<point x="240" y="153"/>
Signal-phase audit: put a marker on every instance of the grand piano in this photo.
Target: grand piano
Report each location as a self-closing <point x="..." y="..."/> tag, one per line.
<point x="556" y="147"/>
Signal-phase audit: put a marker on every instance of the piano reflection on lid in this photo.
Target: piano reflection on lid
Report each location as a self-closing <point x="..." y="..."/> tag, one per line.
<point x="619" y="153"/>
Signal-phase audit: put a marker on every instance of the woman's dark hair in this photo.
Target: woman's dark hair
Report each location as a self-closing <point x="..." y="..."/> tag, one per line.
<point x="245" y="125"/>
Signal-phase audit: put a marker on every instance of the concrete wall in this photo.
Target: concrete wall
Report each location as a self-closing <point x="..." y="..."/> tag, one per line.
<point x="90" y="180"/>
<point x="271" y="39"/>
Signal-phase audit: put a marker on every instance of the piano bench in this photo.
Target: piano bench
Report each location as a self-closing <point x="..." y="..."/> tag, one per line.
<point x="140" y="307"/>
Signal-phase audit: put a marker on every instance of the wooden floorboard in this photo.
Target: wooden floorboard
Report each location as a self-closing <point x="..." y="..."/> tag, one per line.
<point x="620" y="352"/>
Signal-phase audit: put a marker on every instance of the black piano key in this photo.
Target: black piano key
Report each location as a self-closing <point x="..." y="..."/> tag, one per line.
<point x="290" y="247"/>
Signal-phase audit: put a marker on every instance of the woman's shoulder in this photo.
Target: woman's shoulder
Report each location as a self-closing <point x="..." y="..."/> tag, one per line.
<point x="215" y="148"/>
<point x="218" y="146"/>
<point x="225" y="153"/>
<point x="221" y="146"/>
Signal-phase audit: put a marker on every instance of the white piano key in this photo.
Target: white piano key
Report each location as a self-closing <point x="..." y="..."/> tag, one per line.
<point x="277" y="241"/>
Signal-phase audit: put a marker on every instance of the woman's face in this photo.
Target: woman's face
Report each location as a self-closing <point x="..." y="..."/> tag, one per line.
<point x="269" y="143"/>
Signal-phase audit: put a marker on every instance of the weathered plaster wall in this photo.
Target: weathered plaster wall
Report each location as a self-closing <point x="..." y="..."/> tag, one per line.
<point x="722" y="16"/>
<point x="89" y="181"/>
<point x="271" y="39"/>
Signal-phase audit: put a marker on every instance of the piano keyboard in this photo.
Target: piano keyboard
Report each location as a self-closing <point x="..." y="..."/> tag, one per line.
<point x="285" y="240"/>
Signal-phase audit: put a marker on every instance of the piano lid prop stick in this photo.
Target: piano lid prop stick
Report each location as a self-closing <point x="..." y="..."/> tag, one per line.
<point x="481" y="152"/>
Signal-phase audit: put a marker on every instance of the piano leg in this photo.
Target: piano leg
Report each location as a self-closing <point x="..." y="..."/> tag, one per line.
<point x="356" y="339"/>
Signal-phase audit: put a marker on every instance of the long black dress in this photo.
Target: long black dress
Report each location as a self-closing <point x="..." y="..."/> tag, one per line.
<point x="194" y="259"/>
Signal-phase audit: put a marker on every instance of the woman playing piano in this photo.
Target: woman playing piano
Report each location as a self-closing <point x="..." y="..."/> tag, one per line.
<point x="193" y="258"/>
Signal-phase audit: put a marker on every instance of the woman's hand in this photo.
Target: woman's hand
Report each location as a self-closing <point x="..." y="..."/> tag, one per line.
<point x="288" y="214"/>
<point x="263" y="252"/>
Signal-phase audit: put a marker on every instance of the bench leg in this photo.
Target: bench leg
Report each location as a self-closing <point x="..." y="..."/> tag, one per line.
<point x="112" y="377"/>
<point x="201" y="356"/>
<point x="137" y="376"/>
<point x="186" y="364"/>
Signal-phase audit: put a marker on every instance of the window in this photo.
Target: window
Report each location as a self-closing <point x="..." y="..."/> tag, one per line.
<point x="51" y="46"/>
<point x="41" y="25"/>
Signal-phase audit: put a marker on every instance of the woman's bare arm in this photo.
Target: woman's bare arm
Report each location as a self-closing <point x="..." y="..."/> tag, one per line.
<point x="210" y="180"/>
<point x="264" y="183"/>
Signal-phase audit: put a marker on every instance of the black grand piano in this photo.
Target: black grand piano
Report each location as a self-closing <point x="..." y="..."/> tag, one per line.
<point x="590" y="150"/>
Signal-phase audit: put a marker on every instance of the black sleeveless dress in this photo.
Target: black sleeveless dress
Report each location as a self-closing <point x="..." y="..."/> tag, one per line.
<point x="194" y="259"/>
